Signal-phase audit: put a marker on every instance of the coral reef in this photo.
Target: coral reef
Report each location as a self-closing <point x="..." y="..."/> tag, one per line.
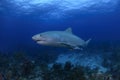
<point x="19" y="66"/>
<point x="83" y="59"/>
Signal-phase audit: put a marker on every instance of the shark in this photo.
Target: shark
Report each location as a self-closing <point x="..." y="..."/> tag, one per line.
<point x="64" y="38"/>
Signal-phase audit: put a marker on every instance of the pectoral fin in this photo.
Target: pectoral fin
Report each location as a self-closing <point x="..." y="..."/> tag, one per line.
<point x="77" y="48"/>
<point x="71" y="47"/>
<point x="65" y="45"/>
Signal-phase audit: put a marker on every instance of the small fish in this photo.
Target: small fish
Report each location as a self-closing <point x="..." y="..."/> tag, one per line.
<point x="60" y="39"/>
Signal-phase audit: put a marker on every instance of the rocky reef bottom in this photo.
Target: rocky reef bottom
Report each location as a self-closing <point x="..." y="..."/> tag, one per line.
<point x="72" y="66"/>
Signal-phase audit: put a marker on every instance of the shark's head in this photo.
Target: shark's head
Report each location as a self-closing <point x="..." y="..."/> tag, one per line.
<point x="43" y="38"/>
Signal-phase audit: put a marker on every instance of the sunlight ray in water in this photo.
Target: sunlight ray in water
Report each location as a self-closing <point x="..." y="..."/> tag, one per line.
<point x="63" y="6"/>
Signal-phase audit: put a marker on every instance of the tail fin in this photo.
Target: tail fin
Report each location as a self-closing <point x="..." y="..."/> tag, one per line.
<point x="86" y="43"/>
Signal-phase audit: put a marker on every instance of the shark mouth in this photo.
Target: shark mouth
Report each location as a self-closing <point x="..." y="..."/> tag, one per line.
<point x="40" y="40"/>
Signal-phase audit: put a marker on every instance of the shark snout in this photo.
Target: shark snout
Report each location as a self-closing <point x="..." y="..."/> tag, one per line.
<point x="38" y="38"/>
<point x="33" y="38"/>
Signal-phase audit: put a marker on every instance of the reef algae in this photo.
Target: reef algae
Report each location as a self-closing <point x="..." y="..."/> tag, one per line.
<point x="83" y="59"/>
<point x="74" y="66"/>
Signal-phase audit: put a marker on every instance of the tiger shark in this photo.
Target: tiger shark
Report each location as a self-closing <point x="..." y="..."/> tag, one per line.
<point x="61" y="39"/>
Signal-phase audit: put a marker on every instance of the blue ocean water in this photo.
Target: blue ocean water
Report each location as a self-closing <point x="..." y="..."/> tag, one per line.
<point x="95" y="19"/>
<point x="21" y="19"/>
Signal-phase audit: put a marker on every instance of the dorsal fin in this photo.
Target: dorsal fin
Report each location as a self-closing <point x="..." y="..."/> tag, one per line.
<point x="69" y="30"/>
